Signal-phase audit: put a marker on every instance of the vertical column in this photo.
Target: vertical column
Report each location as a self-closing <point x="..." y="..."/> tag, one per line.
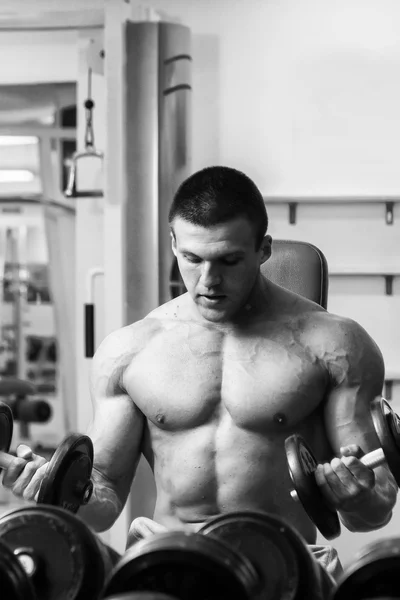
<point x="174" y="98"/>
<point x="116" y="13"/>
<point x="89" y="240"/>
<point x="115" y="185"/>
<point x="141" y="170"/>
<point x="141" y="233"/>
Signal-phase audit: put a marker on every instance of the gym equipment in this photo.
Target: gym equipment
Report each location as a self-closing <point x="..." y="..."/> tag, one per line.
<point x="14" y="582"/>
<point x="374" y="574"/>
<point x="283" y="561"/>
<point x="30" y="411"/>
<point x="66" y="482"/>
<point x="187" y="566"/>
<point x="302" y="464"/>
<point x="10" y="386"/>
<point x="245" y="555"/>
<point x="63" y="558"/>
<point x="141" y="596"/>
<point x="89" y="151"/>
<point x="299" y="267"/>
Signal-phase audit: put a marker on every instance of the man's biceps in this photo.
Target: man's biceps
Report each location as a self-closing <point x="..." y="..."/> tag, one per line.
<point x="107" y="479"/>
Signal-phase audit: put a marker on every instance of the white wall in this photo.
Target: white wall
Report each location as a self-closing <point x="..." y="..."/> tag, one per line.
<point x="301" y="94"/>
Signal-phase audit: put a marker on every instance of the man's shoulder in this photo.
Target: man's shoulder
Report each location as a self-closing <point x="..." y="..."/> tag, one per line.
<point x="159" y="319"/>
<point x="171" y="312"/>
<point x="128" y="340"/>
<point x="134" y="333"/>
<point x="313" y="321"/>
<point x="336" y="328"/>
<point x="321" y="329"/>
<point x="329" y="329"/>
<point x="343" y="345"/>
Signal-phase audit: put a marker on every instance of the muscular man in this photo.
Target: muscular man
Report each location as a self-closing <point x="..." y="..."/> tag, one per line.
<point x="208" y="386"/>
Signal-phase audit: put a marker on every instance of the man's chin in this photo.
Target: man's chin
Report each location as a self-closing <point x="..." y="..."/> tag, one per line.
<point x="213" y="315"/>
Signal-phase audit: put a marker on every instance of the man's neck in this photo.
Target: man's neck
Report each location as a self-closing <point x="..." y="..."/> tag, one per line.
<point x="256" y="306"/>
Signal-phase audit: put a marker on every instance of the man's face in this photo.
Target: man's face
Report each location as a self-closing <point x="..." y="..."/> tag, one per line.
<point x="219" y="265"/>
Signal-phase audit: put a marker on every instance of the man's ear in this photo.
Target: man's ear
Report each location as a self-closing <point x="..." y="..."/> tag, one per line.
<point x="173" y="243"/>
<point x="266" y="249"/>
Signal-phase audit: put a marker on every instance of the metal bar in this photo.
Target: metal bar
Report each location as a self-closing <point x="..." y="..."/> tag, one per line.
<point x="374" y="458"/>
<point x="68" y="133"/>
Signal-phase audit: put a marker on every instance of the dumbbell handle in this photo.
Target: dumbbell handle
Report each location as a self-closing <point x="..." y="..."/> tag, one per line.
<point x="373" y="459"/>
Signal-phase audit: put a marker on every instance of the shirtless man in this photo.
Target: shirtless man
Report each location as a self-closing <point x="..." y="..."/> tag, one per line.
<point x="209" y="385"/>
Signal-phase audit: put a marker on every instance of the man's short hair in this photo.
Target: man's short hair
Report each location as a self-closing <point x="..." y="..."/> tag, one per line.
<point x="216" y="195"/>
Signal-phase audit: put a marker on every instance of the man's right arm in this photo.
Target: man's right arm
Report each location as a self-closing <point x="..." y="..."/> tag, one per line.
<point x="116" y="431"/>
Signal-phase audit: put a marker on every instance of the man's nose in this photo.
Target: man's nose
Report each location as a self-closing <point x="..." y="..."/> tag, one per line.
<point x="210" y="275"/>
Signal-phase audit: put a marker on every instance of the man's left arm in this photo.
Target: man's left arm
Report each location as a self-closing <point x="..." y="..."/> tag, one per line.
<point x="363" y="497"/>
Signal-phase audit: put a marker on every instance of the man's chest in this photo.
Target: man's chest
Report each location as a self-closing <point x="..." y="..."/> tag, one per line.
<point x="253" y="380"/>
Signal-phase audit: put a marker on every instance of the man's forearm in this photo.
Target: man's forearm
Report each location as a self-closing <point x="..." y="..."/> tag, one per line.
<point x="104" y="507"/>
<point x="374" y="510"/>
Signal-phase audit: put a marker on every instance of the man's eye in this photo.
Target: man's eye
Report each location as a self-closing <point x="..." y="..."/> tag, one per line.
<point x="191" y="259"/>
<point x="231" y="261"/>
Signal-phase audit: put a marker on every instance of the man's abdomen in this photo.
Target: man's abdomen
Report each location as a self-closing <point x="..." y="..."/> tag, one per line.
<point x="198" y="479"/>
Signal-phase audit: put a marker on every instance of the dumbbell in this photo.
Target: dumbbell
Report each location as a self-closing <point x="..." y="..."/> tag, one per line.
<point x="141" y="596"/>
<point x="240" y="556"/>
<point x="284" y="563"/>
<point x="302" y="465"/>
<point x="61" y="556"/>
<point x="373" y="574"/>
<point x="66" y="481"/>
<point x="14" y="582"/>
